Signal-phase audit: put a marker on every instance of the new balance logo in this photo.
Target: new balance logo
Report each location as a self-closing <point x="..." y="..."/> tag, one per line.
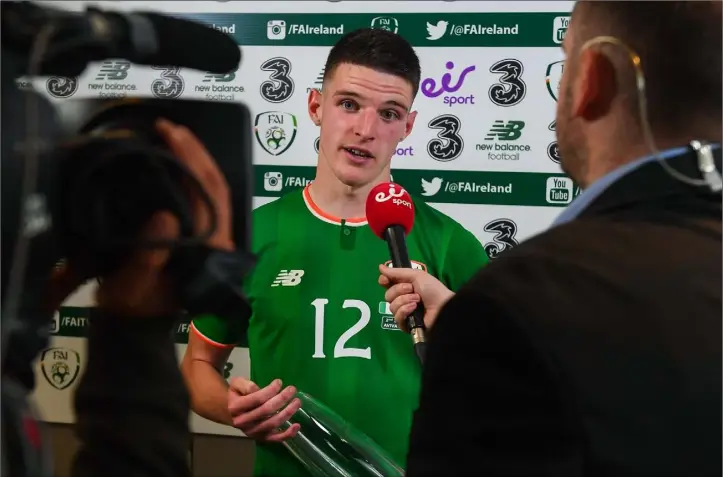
<point x="288" y="278"/>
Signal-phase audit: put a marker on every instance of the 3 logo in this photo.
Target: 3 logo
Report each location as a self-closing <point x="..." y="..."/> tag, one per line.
<point x="448" y="144"/>
<point x="275" y="131"/>
<point x="430" y="90"/>
<point x="60" y="366"/>
<point x="279" y="87"/>
<point x="504" y="231"/>
<point x="170" y="85"/>
<point x="61" y="87"/>
<point x="510" y="88"/>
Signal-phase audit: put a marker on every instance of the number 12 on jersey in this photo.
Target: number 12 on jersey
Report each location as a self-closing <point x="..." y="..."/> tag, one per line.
<point x="340" y="348"/>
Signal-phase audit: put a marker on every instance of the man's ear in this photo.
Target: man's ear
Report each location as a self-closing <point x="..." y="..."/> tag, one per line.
<point x="594" y="88"/>
<point x="314" y="103"/>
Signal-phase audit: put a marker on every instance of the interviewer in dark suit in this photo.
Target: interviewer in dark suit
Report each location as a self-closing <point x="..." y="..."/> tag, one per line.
<point x="594" y="348"/>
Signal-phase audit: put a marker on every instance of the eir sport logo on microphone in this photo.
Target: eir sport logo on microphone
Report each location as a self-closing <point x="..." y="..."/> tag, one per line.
<point x="394" y="195"/>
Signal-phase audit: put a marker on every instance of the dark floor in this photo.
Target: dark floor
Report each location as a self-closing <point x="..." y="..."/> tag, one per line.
<point x="212" y="456"/>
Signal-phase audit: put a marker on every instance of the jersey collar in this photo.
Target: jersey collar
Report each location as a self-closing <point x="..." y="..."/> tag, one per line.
<point x="321" y="215"/>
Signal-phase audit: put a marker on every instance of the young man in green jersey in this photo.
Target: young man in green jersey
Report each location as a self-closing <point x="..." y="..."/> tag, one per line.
<point x="319" y="322"/>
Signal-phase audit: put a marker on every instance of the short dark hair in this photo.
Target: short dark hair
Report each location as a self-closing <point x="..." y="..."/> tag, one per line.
<point x="679" y="44"/>
<point x="377" y="49"/>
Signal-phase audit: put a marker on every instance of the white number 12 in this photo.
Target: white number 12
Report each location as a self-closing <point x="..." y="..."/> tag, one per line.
<point x="340" y="350"/>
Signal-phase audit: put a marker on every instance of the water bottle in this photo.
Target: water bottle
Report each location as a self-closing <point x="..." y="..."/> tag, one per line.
<point x="328" y="446"/>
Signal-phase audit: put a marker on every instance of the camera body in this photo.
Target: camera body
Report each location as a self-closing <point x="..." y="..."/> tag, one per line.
<point x="276" y="29"/>
<point x="81" y="177"/>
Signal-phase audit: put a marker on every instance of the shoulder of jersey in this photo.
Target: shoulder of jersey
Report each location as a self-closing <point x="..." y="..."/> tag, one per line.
<point x="424" y="212"/>
<point x="274" y="206"/>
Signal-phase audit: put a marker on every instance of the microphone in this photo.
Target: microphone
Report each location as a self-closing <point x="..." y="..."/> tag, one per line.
<point x="390" y="214"/>
<point x="144" y="38"/>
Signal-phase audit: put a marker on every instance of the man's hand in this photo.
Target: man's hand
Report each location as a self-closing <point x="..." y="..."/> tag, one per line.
<point x="259" y="413"/>
<point x="406" y="287"/>
<point x="141" y="288"/>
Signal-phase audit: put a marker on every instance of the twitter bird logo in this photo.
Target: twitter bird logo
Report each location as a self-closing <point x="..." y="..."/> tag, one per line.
<point x="437" y="31"/>
<point x="432" y="187"/>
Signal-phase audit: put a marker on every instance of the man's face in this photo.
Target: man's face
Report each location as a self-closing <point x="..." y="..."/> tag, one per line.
<point x="363" y="115"/>
<point x="570" y="141"/>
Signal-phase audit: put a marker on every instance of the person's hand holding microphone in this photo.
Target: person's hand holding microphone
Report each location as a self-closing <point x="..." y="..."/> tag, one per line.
<point x="406" y="288"/>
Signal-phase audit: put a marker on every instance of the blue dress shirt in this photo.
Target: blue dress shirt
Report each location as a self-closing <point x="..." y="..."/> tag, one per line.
<point x="599" y="186"/>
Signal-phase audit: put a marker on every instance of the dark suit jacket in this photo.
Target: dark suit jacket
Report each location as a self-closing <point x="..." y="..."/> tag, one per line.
<point x="591" y="349"/>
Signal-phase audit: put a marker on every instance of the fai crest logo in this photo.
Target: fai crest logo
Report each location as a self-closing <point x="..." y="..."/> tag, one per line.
<point x="275" y="131"/>
<point x="60" y="366"/>
<point x="385" y="23"/>
<point x="553" y="75"/>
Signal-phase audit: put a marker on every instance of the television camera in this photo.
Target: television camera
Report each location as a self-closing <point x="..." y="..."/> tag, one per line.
<point x="80" y="177"/>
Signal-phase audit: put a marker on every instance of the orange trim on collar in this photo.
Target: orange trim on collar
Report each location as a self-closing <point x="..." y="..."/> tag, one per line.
<point x="356" y="221"/>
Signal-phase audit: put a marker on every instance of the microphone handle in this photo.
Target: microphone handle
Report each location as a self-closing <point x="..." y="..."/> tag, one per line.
<point x="395" y="237"/>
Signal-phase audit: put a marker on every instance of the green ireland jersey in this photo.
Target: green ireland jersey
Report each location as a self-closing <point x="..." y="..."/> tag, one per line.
<point x="320" y="322"/>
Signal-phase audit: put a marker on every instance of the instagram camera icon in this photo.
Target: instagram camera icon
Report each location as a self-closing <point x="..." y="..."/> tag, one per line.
<point x="276" y="29"/>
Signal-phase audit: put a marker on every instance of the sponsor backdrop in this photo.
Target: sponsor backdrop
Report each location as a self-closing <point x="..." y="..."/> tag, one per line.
<point x="483" y="148"/>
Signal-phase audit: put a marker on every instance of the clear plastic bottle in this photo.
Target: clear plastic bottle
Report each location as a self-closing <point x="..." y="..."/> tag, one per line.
<point x="328" y="446"/>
